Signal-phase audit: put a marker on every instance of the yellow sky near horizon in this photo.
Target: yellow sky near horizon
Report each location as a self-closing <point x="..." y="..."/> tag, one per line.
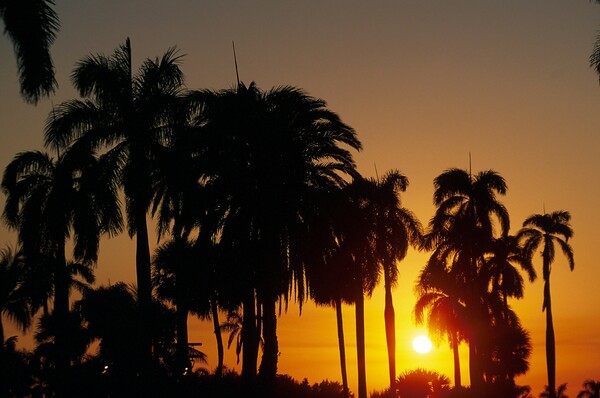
<point x="424" y="83"/>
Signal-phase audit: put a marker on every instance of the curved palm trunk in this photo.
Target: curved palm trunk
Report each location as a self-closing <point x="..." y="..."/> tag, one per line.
<point x="61" y="312"/>
<point x="360" y="345"/>
<point x="268" y="365"/>
<point x="249" y="338"/>
<point x="342" y="345"/>
<point x="454" y="342"/>
<point x="220" y="351"/>
<point x="550" y="343"/>
<point x="390" y="332"/>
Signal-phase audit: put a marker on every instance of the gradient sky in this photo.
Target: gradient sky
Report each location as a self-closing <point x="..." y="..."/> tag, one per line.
<point x="424" y="83"/>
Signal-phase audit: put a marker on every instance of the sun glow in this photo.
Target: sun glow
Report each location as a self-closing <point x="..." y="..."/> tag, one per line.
<point x="422" y="344"/>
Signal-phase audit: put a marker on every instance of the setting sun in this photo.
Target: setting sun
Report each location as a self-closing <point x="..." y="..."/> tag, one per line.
<point x="422" y="344"/>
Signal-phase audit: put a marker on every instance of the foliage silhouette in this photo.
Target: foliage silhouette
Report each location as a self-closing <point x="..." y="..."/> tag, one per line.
<point x="32" y="27"/>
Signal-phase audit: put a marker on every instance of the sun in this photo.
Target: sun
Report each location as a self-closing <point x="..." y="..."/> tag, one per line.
<point x="422" y="344"/>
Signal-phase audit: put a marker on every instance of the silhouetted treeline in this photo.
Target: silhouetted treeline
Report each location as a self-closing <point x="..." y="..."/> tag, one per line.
<point x="257" y="203"/>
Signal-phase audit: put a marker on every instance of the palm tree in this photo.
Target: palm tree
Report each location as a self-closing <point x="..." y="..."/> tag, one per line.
<point x="591" y="389"/>
<point x="439" y="298"/>
<point x="356" y="238"/>
<point x="501" y="257"/>
<point x="234" y="325"/>
<point x="14" y="303"/>
<point x="467" y="219"/>
<point x="127" y="114"/>
<point x="394" y="229"/>
<point x="274" y="152"/>
<point x="548" y="230"/>
<point x="32" y="26"/>
<point x="328" y="274"/>
<point x="49" y="201"/>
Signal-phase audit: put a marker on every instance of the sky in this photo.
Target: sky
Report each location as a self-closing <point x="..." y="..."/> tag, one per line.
<point x="427" y="85"/>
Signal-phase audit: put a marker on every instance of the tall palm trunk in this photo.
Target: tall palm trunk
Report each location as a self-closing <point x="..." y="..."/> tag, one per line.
<point x="360" y="345"/>
<point x="550" y="343"/>
<point x="454" y="342"/>
<point x="143" y="274"/>
<point x="61" y="312"/>
<point x="390" y="330"/>
<point x="249" y="338"/>
<point x="342" y="345"/>
<point x="220" y="351"/>
<point x="268" y="365"/>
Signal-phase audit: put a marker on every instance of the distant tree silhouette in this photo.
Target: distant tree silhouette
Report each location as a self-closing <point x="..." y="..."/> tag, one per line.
<point x="128" y="115"/>
<point x="48" y="201"/>
<point x="32" y="26"/>
<point x="548" y="230"/>
<point x="591" y="389"/>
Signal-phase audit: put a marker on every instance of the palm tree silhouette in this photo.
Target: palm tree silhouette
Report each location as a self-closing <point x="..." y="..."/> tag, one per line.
<point x="32" y="26"/>
<point x="356" y="238"/>
<point x="502" y="255"/>
<point x="395" y="228"/>
<point x="548" y="230"/>
<point x="126" y="114"/>
<point x="329" y="270"/>
<point x="274" y="152"/>
<point x="439" y="297"/>
<point x="49" y="201"/>
<point x="14" y="302"/>
<point x="464" y="223"/>
<point x="591" y="389"/>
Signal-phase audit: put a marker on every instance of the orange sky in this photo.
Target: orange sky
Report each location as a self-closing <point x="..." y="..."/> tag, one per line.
<point x="424" y="83"/>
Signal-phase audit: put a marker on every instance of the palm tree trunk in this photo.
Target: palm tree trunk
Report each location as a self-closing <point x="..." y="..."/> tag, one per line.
<point x="550" y="343"/>
<point x="249" y="338"/>
<point x="390" y="333"/>
<point x="144" y="283"/>
<point x="268" y="364"/>
<point x="360" y="345"/>
<point x="454" y="342"/>
<point x="220" y="351"/>
<point x="342" y="346"/>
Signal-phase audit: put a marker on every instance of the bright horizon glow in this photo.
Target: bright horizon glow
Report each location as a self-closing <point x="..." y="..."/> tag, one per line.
<point x="421" y="344"/>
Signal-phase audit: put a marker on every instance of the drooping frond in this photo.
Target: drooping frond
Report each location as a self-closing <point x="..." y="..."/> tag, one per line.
<point x="32" y="26"/>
